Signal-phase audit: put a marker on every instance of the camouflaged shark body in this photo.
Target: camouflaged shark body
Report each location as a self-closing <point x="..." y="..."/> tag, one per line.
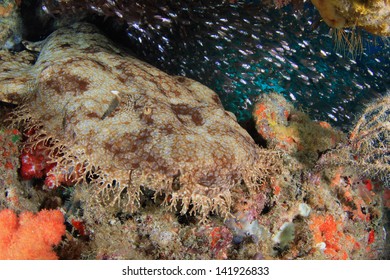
<point x="121" y="124"/>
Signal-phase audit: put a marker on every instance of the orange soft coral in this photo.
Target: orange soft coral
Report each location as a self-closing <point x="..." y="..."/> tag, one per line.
<point x="30" y="236"/>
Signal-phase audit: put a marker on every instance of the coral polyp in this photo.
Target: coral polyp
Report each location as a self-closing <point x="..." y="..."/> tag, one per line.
<point x="122" y="124"/>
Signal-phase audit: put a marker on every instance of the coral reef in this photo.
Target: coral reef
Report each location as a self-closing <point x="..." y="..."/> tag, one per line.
<point x="30" y="236"/>
<point x="370" y="139"/>
<point x="354" y="232"/>
<point x="13" y="195"/>
<point x="288" y="129"/>
<point x="332" y="214"/>
<point x="9" y="164"/>
<point x="123" y="124"/>
<point x="373" y="16"/>
<point x="36" y="163"/>
<point x="368" y="148"/>
<point x="118" y="140"/>
<point x="10" y="24"/>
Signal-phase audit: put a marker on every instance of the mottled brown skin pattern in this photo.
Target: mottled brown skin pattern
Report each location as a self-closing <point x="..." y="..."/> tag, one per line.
<point x="15" y="75"/>
<point x="129" y="125"/>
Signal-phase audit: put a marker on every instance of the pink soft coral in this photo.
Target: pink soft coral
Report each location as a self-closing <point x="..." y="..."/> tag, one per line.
<point x="30" y="236"/>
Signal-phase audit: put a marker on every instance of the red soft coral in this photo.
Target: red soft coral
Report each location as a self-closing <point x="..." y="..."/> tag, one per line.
<point x="30" y="236"/>
<point x="36" y="163"/>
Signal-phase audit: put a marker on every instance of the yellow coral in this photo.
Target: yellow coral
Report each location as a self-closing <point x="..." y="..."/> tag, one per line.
<point x="327" y="10"/>
<point x="373" y="16"/>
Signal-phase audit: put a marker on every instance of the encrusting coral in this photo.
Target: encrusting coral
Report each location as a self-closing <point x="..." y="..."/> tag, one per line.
<point x="12" y="194"/>
<point x="30" y="236"/>
<point x="9" y="163"/>
<point x="372" y="15"/>
<point x="290" y="130"/>
<point x="121" y="124"/>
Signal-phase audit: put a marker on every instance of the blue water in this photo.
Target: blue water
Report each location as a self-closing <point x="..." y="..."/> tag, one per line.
<point x="243" y="51"/>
